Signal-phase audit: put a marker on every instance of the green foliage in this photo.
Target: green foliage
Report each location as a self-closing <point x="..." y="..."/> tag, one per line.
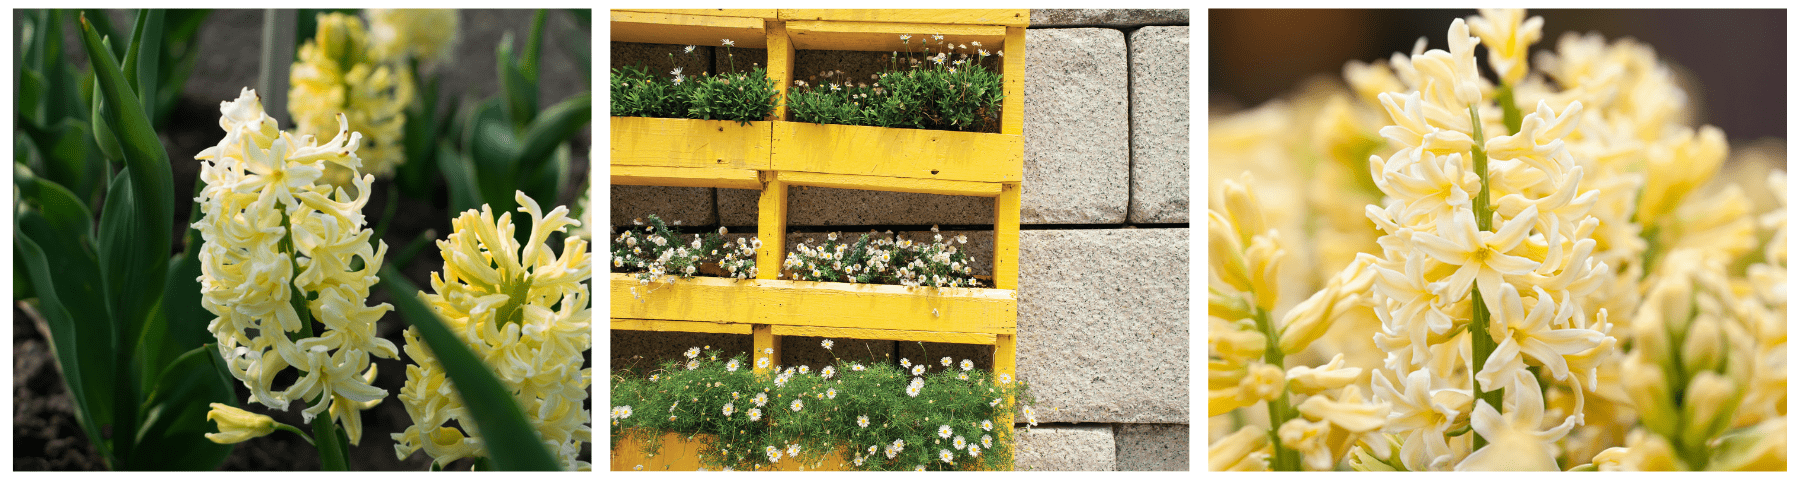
<point x="656" y="250"/>
<point x="853" y="410"/>
<point x="935" y="92"/>
<point x="885" y="261"/>
<point x="743" y="97"/>
<point x="100" y="285"/>
<point x="515" y="445"/>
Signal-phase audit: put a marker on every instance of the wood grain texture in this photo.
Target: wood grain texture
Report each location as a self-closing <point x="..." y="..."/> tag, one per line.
<point x="817" y="304"/>
<point x="763" y="13"/>
<point x="886" y="334"/>
<point x="691" y="143"/>
<point x="781" y="64"/>
<point x="893" y="184"/>
<point x="1006" y="236"/>
<point x="1012" y="79"/>
<point x="908" y="153"/>
<point x="683" y="29"/>
<point x="1012" y="17"/>
<point x="885" y="36"/>
<point x="771" y="226"/>
<point x="685" y="177"/>
<point x="678" y="326"/>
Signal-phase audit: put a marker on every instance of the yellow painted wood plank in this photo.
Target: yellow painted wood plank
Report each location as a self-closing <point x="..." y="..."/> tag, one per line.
<point x="767" y="345"/>
<point x="885" y="37"/>
<point x="910" y="153"/>
<point x="681" y="453"/>
<point x="678" y="326"/>
<point x="816" y="304"/>
<point x="771" y="226"/>
<point x="691" y="143"/>
<point x="762" y="13"/>
<point x="1006" y="236"/>
<point x="1012" y="69"/>
<point x="887" y="334"/>
<point x="702" y="299"/>
<point x="894" y="184"/>
<point x="1012" y="17"/>
<point x="680" y="29"/>
<point x="781" y="64"/>
<point x="835" y="304"/>
<point x="685" y="177"/>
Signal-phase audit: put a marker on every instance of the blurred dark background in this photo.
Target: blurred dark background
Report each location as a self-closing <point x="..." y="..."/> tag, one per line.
<point x="1736" y="58"/>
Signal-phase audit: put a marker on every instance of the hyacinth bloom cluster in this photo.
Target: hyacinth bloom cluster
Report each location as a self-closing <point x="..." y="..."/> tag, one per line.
<point x="428" y="35"/>
<point x="524" y="311"/>
<point x="338" y="73"/>
<point x="1553" y="282"/>
<point x="280" y="250"/>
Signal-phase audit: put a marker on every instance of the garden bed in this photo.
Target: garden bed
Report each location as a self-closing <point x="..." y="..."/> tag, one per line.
<point x="682" y="453"/>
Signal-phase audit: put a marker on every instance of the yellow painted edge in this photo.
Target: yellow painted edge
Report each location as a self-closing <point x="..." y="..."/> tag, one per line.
<point x="679" y="326"/>
<point x="1008" y="17"/>
<point x="818" y="304"/>
<point x="894" y="184"/>
<point x="669" y="28"/>
<point x="827" y="27"/>
<point x="890" y="152"/>
<point x="690" y="143"/>
<point x="685" y="177"/>
<point x="771" y="226"/>
<point x="1012" y="107"/>
<point x="1006" y="236"/>
<point x="781" y="64"/>
<point x="765" y="13"/>
<point x="886" y="334"/>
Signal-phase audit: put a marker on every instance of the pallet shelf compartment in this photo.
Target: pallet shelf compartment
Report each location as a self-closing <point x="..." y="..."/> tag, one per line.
<point x="686" y="29"/>
<point x="832" y="305"/>
<point x="888" y="152"/>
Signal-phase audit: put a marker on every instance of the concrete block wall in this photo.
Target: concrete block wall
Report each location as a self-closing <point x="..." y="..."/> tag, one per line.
<point x="1103" y="303"/>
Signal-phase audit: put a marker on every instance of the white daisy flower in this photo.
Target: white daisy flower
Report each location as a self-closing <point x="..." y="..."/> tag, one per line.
<point x="863" y="422"/>
<point x="796" y="405"/>
<point x="731" y="365"/>
<point x="968" y="364"/>
<point x="730" y="408"/>
<point x="944" y="431"/>
<point x="755" y="414"/>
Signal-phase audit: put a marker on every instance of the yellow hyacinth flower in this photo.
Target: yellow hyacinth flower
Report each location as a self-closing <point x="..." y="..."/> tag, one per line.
<point x="237" y="425"/>
<point x="426" y="34"/>
<point x="271" y="234"/>
<point x="524" y="311"/>
<point x="337" y="73"/>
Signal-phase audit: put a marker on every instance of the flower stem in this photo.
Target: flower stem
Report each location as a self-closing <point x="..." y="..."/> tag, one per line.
<point x="1509" y="110"/>
<point x="325" y="433"/>
<point x="1285" y="458"/>
<point x="1481" y="343"/>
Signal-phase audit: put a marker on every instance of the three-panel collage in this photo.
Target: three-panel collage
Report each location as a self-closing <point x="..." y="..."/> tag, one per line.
<point x="931" y="239"/>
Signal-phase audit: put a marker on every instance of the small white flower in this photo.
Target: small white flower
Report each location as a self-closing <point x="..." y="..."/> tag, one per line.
<point x="796" y="405"/>
<point x="946" y="455"/>
<point x="905" y="363"/>
<point x="693" y="352"/>
<point x="959" y="442"/>
<point x="793" y="450"/>
<point x="857" y="367"/>
<point x="805" y="369"/>
<point x="693" y="364"/>
<point x="944" y="431"/>
<point x="904" y="38"/>
<point x="831" y="393"/>
<point x="974" y="451"/>
<point x="727" y="42"/>
<point x="912" y="391"/>
<point x="689" y="49"/>
<point x="730" y="408"/>
<point x="968" y="364"/>
<point x="760" y="399"/>
<point x="755" y="414"/>
<point x="1005" y="378"/>
<point x="762" y="362"/>
<point x="920" y="468"/>
<point x="987" y="425"/>
<point x="987" y="441"/>
<point x="731" y="365"/>
<point x="827" y="372"/>
<point x="863" y="422"/>
<point x="919" y="369"/>
<point x="773" y="452"/>
<point x="676" y="72"/>
<point x="768" y="350"/>
<point x="946" y="361"/>
<point x="826" y="344"/>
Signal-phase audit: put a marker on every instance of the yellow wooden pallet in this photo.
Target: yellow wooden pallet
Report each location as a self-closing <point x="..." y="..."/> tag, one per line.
<point x="772" y="155"/>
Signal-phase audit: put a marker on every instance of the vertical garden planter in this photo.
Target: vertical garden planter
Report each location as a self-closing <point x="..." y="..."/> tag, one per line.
<point x="770" y="156"/>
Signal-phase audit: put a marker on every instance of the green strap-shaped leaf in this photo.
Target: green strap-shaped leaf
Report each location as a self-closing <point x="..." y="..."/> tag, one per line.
<point x="459" y="177"/>
<point x="512" y="443"/>
<point x="92" y="396"/>
<point x="173" y="434"/>
<point x="143" y="56"/>
<point x="557" y="124"/>
<point x="520" y="93"/>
